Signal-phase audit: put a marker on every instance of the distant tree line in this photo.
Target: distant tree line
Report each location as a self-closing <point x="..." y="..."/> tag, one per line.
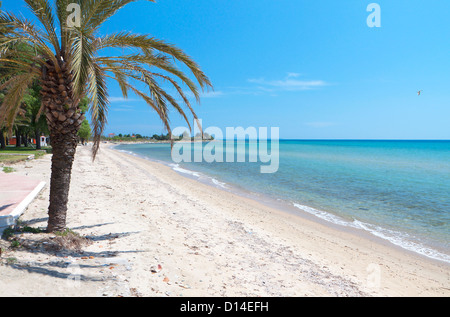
<point x="156" y="137"/>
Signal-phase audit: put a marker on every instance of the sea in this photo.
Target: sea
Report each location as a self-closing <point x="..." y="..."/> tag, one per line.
<point x="398" y="191"/>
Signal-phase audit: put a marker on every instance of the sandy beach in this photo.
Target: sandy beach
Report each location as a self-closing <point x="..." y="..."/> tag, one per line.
<point x="153" y="232"/>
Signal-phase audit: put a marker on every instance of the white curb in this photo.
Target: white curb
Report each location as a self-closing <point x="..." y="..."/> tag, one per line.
<point x="9" y="220"/>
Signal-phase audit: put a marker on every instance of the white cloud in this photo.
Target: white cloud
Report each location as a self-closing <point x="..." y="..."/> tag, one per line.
<point x="293" y="75"/>
<point x="212" y="94"/>
<point x="121" y="99"/>
<point x="123" y="108"/>
<point x="288" y="84"/>
<point x="209" y="94"/>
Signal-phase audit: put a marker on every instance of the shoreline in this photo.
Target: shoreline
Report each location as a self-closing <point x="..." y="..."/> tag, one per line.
<point x="299" y="216"/>
<point x="297" y="210"/>
<point x="283" y="207"/>
<point x="157" y="233"/>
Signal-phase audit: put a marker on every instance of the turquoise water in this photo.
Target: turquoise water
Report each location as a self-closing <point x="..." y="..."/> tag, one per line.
<point x="397" y="190"/>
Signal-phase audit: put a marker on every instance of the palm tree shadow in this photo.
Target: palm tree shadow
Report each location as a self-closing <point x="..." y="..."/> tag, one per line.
<point x="59" y="270"/>
<point x="110" y="236"/>
<point x="92" y="226"/>
<point x="36" y="220"/>
<point x="5" y="206"/>
<point x="62" y="260"/>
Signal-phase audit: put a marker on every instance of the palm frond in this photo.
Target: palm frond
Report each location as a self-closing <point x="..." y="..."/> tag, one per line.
<point x="10" y="107"/>
<point x="98" y="94"/>
<point x="43" y="11"/>
<point x="163" y="114"/>
<point x="26" y="31"/>
<point x="82" y="55"/>
<point x="148" y="44"/>
<point x="19" y="66"/>
<point x="62" y="14"/>
<point x="160" y="96"/>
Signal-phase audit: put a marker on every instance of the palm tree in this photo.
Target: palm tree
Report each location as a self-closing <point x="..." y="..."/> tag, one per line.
<point x="70" y="62"/>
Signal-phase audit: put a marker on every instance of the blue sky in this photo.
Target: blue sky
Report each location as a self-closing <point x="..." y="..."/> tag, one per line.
<point x="312" y="68"/>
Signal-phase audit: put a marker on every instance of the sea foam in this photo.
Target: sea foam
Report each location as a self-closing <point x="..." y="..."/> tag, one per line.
<point x="397" y="238"/>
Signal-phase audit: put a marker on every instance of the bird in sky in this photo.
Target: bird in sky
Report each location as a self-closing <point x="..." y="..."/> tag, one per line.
<point x="418" y="93"/>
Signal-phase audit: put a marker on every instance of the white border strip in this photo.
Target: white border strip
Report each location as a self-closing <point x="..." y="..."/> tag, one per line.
<point x="8" y="220"/>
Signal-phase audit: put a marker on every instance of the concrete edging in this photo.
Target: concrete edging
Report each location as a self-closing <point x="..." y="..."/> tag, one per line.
<point x="9" y="220"/>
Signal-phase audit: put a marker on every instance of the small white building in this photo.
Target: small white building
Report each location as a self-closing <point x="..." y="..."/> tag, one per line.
<point x="43" y="141"/>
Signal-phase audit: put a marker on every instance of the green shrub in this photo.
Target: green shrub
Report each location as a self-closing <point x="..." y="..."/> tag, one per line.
<point x="7" y="169"/>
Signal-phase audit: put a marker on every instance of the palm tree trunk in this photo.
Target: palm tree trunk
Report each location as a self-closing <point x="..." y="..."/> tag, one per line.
<point x="18" y="138"/>
<point x="64" y="119"/>
<point x="2" y="140"/>
<point x="37" y="135"/>
<point x="25" y="139"/>
<point x="63" y="149"/>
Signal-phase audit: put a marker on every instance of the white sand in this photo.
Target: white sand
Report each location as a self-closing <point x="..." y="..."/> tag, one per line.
<point x="156" y="233"/>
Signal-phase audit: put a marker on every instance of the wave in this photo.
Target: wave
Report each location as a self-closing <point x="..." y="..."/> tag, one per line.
<point x="199" y="176"/>
<point x="177" y="168"/>
<point x="397" y="238"/>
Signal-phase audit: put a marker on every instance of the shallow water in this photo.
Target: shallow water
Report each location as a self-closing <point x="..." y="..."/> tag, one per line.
<point x="397" y="190"/>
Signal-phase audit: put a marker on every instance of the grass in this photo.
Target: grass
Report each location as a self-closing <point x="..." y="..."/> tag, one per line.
<point x="20" y="227"/>
<point x="8" y="169"/>
<point x="65" y="233"/>
<point x="11" y="261"/>
<point x="31" y="229"/>
<point x="15" y="244"/>
<point x="25" y="150"/>
<point x="11" y="159"/>
<point x="12" y="154"/>
<point x="8" y="233"/>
